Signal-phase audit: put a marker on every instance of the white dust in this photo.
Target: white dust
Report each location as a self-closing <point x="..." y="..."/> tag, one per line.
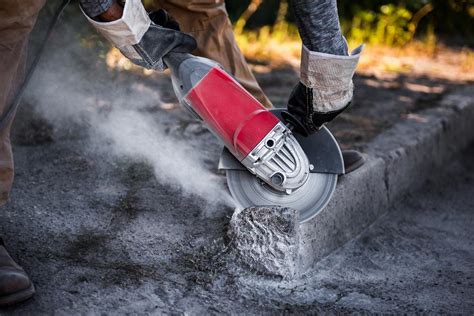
<point x="113" y="115"/>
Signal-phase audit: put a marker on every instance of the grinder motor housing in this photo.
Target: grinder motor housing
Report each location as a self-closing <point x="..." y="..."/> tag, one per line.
<point x="253" y="134"/>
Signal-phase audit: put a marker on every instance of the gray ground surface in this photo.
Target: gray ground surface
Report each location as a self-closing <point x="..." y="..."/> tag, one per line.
<point x="98" y="244"/>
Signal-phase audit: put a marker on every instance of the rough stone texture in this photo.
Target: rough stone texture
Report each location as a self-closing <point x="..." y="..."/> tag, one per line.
<point x="415" y="148"/>
<point x="359" y="199"/>
<point x="400" y="160"/>
<point x="266" y="239"/>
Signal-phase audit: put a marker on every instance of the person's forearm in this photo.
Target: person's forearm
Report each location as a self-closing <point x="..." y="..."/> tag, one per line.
<point x="102" y="10"/>
<point x="113" y="13"/>
<point x="325" y="88"/>
<point x="318" y="24"/>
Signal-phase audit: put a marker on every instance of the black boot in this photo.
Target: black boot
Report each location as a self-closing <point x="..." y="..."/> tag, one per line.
<point x="352" y="160"/>
<point x="15" y="285"/>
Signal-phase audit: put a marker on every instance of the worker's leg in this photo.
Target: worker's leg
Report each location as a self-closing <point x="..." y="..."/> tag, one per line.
<point x="12" y="62"/>
<point x="208" y="22"/>
<point x="17" y="18"/>
<point x="16" y="21"/>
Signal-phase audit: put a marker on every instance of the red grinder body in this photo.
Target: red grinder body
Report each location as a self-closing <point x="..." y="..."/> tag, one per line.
<point x="253" y="134"/>
<point x="234" y="115"/>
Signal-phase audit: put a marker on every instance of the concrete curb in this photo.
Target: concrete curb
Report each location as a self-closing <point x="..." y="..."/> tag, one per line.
<point x="400" y="160"/>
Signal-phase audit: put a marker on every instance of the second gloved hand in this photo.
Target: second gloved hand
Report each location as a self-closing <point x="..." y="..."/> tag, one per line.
<point x="325" y="88"/>
<point x="142" y="40"/>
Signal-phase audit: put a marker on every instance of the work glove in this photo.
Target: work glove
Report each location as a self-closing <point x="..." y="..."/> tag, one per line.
<point x="324" y="91"/>
<point x="142" y="39"/>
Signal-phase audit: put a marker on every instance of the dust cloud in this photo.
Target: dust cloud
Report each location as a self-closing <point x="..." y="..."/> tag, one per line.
<point x="73" y="93"/>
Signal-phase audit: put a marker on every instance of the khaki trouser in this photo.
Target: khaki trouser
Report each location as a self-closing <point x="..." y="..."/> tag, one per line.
<point x="17" y="18"/>
<point x="208" y="22"/>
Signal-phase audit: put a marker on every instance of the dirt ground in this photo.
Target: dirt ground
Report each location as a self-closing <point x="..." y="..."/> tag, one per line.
<point x="104" y="236"/>
<point x="101" y="233"/>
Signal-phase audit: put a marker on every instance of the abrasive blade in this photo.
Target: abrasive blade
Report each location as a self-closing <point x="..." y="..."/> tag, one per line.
<point x="309" y="199"/>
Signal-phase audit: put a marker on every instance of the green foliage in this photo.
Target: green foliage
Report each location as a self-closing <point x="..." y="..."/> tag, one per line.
<point x="391" y="25"/>
<point x="385" y="22"/>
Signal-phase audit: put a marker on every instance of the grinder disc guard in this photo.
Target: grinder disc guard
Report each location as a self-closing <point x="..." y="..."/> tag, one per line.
<point x="309" y="199"/>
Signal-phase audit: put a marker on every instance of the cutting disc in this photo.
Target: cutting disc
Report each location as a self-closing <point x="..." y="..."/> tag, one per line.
<point x="309" y="199"/>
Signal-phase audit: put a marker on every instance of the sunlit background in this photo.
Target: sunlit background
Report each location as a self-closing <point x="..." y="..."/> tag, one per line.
<point x="432" y="37"/>
<point x="417" y="52"/>
<point x="425" y="37"/>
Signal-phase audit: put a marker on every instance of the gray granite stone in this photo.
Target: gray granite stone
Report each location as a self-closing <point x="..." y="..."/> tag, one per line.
<point x="266" y="239"/>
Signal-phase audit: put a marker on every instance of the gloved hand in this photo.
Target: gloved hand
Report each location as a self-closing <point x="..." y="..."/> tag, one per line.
<point x="142" y="39"/>
<point x="325" y="88"/>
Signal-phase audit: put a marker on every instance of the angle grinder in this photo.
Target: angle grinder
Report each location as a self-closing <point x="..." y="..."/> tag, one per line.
<point x="267" y="159"/>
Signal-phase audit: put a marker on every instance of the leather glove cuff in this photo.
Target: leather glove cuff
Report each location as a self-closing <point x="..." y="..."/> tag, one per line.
<point x="329" y="77"/>
<point x="302" y="114"/>
<point x="325" y="89"/>
<point x="126" y="31"/>
<point x="141" y="40"/>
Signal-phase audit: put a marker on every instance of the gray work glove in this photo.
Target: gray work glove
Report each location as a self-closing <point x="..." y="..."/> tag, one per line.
<point x="142" y="40"/>
<point x="325" y="89"/>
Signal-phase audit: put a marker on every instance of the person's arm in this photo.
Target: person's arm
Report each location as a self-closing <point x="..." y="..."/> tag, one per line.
<point x="130" y="29"/>
<point x="102" y="10"/>
<point x="113" y="12"/>
<point x="325" y="88"/>
<point x="318" y="25"/>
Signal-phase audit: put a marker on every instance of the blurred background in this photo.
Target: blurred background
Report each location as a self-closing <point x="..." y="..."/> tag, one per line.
<point x="438" y="29"/>
<point x="417" y="52"/>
